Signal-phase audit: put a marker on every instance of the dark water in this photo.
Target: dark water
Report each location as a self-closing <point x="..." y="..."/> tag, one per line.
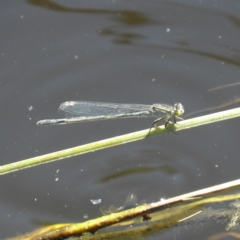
<point x="114" y="51"/>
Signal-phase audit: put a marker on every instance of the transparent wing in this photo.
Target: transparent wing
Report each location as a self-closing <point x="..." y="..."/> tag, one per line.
<point x="94" y="109"/>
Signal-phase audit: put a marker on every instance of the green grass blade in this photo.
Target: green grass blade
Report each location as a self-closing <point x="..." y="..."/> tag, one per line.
<point x="91" y="147"/>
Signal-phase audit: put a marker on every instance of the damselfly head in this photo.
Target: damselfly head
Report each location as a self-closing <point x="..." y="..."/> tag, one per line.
<point x="178" y="109"/>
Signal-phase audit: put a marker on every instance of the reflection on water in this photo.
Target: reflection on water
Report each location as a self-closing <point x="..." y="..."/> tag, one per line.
<point x="224" y="86"/>
<point x="212" y="109"/>
<point x="130" y="202"/>
<point x="140" y="170"/>
<point x="234" y="222"/>
<point x="126" y="17"/>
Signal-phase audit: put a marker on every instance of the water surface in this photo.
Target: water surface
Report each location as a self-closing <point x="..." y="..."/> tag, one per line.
<point x="123" y="52"/>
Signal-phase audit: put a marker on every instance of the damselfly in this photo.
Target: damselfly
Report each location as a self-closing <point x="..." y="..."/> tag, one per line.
<point x="83" y="111"/>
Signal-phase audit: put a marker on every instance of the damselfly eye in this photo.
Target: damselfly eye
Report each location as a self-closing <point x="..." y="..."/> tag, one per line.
<point x="178" y="109"/>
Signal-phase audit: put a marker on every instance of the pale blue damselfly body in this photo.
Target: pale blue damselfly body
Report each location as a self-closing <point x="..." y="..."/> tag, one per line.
<point x="84" y="111"/>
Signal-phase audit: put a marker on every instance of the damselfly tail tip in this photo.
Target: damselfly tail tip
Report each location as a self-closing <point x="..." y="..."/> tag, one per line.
<point x="40" y="123"/>
<point x="46" y="122"/>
